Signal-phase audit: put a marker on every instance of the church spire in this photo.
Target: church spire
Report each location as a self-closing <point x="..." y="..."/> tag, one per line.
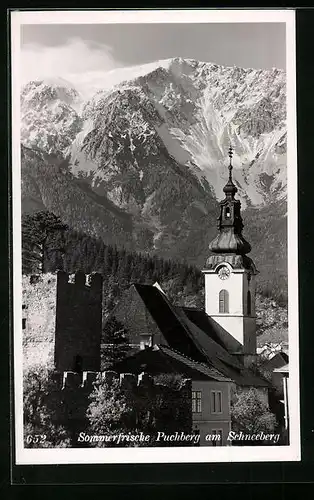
<point x="230" y="189"/>
<point x="230" y="274"/>
<point x="229" y="223"/>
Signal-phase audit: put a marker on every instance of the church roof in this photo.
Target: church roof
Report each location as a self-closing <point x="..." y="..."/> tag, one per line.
<point x="212" y="328"/>
<point x="193" y="334"/>
<point x="172" y="327"/>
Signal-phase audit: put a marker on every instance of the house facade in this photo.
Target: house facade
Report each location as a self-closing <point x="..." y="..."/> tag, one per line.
<point x="211" y="391"/>
<point x="211" y="402"/>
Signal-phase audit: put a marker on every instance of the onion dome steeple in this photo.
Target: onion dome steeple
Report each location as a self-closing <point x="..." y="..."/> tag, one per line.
<point x="229" y="223"/>
<point x="230" y="189"/>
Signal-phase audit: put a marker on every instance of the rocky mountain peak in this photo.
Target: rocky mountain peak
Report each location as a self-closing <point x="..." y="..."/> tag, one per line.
<point x="50" y="115"/>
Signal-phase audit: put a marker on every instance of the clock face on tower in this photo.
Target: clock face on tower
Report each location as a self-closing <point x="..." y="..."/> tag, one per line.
<point x="224" y="273"/>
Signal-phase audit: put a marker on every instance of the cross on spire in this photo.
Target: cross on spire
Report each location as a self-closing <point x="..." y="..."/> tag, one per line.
<point x="230" y="167"/>
<point x="230" y="189"/>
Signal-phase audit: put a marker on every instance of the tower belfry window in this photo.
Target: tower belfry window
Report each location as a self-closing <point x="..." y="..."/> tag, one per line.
<point x="249" y="303"/>
<point x="224" y="301"/>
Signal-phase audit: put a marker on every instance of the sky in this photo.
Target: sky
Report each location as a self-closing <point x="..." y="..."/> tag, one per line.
<point x="84" y="52"/>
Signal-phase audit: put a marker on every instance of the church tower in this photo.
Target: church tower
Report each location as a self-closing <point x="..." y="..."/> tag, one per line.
<point x="230" y="274"/>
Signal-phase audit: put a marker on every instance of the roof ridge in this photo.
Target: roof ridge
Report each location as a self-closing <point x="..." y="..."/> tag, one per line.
<point x="199" y="365"/>
<point x="188" y="357"/>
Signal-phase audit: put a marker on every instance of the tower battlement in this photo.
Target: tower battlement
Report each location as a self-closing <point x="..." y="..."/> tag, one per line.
<point x="129" y="381"/>
<point x="85" y="380"/>
<point x="80" y="279"/>
<point x="70" y="396"/>
<point x="92" y="280"/>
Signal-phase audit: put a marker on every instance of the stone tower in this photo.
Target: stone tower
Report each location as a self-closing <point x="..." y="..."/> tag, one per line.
<point x="78" y="322"/>
<point x="230" y="274"/>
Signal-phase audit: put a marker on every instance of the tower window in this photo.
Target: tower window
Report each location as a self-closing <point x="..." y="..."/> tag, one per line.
<point x="249" y="304"/>
<point x="227" y="212"/>
<point x="23" y="323"/>
<point x="223" y="301"/>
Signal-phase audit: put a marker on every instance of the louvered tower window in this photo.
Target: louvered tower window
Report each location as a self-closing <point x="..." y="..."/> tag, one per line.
<point x="223" y="301"/>
<point x="249" y="304"/>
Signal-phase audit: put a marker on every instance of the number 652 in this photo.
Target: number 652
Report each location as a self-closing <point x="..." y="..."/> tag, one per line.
<point x="35" y="438"/>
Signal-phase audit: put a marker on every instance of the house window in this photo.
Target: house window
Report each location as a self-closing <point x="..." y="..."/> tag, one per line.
<point x="196" y="401"/>
<point x="223" y="301"/>
<point x="216" y="401"/>
<point x="249" y="304"/>
<point x="217" y="437"/>
<point x="23" y="323"/>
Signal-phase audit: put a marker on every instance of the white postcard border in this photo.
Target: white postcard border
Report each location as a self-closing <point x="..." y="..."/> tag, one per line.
<point x="290" y="452"/>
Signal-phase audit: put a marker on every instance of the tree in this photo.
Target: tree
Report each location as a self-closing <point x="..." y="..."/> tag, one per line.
<point x="38" y="230"/>
<point x="172" y="408"/>
<point x="116" y="343"/>
<point x="41" y="410"/>
<point x="162" y="405"/>
<point x="250" y="413"/>
<point x="112" y="411"/>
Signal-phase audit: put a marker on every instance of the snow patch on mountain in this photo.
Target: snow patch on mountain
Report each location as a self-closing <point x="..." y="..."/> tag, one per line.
<point x="50" y="117"/>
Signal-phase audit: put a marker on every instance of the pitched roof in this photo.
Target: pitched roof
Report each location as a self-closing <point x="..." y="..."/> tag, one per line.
<point x="282" y="369"/>
<point x="162" y="359"/>
<point x="213" y="329"/>
<point x="226" y="363"/>
<point x="208" y="346"/>
<point x="278" y="360"/>
<point x="173" y="329"/>
<point x="211" y="372"/>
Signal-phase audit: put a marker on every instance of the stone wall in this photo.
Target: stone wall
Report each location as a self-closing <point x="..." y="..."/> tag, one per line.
<point x="62" y="321"/>
<point x="39" y="319"/>
<point x="69" y="400"/>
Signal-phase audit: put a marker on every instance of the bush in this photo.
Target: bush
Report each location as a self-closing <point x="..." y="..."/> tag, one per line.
<point x="41" y="404"/>
<point x="250" y="413"/>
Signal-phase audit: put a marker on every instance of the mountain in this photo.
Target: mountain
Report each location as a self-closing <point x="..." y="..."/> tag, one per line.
<point x="149" y="154"/>
<point x="47" y="186"/>
<point x="193" y="110"/>
<point x="50" y="117"/>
